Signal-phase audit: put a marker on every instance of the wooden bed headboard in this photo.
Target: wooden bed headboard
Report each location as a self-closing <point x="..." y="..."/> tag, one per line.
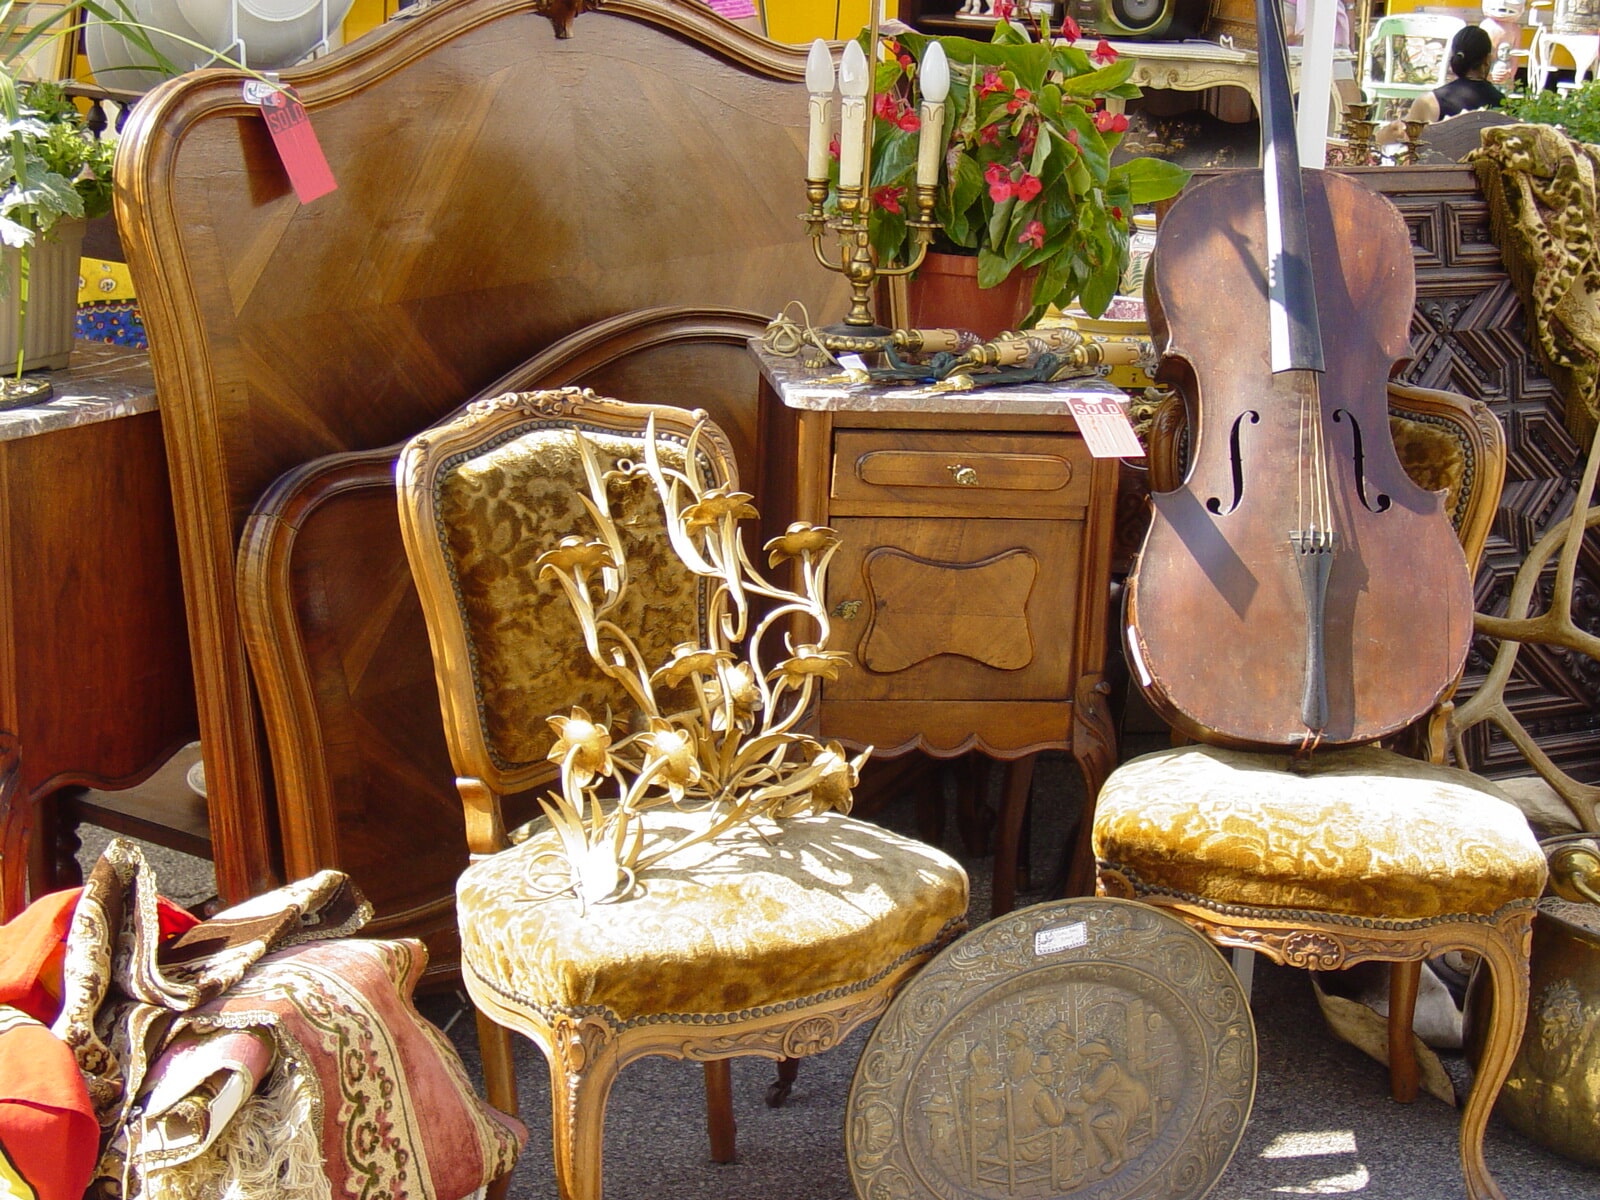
<point x="499" y="188"/>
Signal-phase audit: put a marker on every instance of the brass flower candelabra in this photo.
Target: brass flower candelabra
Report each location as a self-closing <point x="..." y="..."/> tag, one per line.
<point x="851" y="224"/>
<point x="735" y="753"/>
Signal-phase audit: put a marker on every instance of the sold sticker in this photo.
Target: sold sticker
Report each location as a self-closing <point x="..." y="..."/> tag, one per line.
<point x="298" y="148"/>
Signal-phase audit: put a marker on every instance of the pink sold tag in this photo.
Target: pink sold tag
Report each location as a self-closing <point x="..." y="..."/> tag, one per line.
<point x="1105" y="426"/>
<point x="298" y="148"/>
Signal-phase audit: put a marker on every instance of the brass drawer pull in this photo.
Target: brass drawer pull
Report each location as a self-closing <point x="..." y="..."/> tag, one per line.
<point x="965" y="476"/>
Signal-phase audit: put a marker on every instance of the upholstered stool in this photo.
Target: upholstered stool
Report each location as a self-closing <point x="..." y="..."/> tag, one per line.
<point x="1361" y="832"/>
<point x="1358" y="854"/>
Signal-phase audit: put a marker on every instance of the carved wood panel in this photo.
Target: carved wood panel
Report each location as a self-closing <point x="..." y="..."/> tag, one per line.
<point x="1468" y="335"/>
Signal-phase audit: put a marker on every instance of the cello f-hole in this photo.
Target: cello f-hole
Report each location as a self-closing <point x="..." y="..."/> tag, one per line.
<point x="1236" y="462"/>
<point x="1379" y="502"/>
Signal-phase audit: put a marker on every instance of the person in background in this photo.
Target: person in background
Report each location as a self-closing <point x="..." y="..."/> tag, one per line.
<point x="1471" y="56"/>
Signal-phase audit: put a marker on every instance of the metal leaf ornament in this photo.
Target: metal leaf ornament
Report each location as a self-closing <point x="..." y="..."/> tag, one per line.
<point x="734" y="755"/>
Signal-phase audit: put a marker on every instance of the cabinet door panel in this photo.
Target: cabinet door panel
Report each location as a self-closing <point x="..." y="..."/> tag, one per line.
<point x="955" y="609"/>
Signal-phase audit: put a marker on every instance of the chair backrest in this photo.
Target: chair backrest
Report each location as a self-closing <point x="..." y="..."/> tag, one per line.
<point x="481" y="498"/>
<point x="1409" y="54"/>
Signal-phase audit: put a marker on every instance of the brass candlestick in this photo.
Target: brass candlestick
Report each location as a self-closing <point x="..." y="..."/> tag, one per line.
<point x="852" y="223"/>
<point x="856" y="261"/>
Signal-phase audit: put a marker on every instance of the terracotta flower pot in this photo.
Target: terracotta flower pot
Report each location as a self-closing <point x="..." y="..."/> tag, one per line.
<point x="944" y="294"/>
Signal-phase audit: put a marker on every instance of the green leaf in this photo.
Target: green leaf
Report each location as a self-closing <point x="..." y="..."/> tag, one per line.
<point x="1152" y="179"/>
<point x="1000" y="221"/>
<point x="1099" y="81"/>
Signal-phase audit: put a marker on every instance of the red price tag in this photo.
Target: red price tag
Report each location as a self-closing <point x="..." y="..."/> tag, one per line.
<point x="290" y="126"/>
<point x="1105" y="426"/>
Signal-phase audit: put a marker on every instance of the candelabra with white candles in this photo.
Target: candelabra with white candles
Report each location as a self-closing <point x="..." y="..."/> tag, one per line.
<point x="851" y="223"/>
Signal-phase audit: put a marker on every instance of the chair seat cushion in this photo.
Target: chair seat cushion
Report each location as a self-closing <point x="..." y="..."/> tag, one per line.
<point x="766" y="915"/>
<point x="1361" y="832"/>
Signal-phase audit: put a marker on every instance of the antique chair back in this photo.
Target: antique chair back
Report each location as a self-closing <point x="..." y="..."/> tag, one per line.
<point x="1355" y="854"/>
<point x="773" y="942"/>
<point x="339" y="652"/>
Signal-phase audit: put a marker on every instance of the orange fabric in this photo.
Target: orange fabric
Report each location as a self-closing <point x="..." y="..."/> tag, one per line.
<point x="47" y="1126"/>
<point x="31" y="948"/>
<point x="48" y="1132"/>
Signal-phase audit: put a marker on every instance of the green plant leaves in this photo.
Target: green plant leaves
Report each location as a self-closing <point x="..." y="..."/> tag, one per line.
<point x="1027" y="179"/>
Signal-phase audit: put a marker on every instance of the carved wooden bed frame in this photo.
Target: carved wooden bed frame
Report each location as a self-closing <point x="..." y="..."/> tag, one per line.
<point x="499" y="189"/>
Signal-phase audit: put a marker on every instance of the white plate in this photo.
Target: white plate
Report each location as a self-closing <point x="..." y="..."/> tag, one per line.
<point x="118" y="62"/>
<point x="275" y="33"/>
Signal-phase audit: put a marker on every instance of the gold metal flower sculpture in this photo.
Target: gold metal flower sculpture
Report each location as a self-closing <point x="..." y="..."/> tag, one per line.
<point x="735" y="754"/>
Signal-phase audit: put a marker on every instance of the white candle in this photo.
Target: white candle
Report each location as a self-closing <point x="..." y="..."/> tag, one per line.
<point x="819" y="82"/>
<point x="853" y="115"/>
<point x="935" y="78"/>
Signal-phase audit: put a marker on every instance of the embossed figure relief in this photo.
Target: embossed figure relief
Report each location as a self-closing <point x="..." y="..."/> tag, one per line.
<point x="1115" y="1062"/>
<point x="1037" y="1111"/>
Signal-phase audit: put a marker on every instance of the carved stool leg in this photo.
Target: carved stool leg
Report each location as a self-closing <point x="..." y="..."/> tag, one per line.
<point x="582" y="1068"/>
<point x="1405" y="1076"/>
<point x="1505" y="957"/>
<point x="719" y="1110"/>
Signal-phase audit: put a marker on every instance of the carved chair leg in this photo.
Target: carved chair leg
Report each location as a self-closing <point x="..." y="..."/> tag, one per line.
<point x="719" y="1110"/>
<point x="499" y="1078"/>
<point x="499" y="1082"/>
<point x="1405" y="1076"/>
<point x="1506" y="960"/>
<point x="778" y="1090"/>
<point x="581" y="1074"/>
<point x="1007" y="846"/>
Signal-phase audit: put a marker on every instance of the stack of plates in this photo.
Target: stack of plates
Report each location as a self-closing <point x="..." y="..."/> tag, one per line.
<point x="262" y="34"/>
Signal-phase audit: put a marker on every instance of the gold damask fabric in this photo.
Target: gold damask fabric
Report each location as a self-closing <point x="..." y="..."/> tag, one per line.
<point x="1434" y="456"/>
<point x="1363" y="832"/>
<point x="501" y="510"/>
<point x="767" y="915"/>
<point x="1542" y="206"/>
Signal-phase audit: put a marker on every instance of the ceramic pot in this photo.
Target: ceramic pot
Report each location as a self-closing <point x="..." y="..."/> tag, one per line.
<point x="944" y="294"/>
<point x="52" y="301"/>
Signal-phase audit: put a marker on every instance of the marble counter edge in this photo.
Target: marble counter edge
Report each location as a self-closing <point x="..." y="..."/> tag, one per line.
<point x="792" y="385"/>
<point x="103" y="383"/>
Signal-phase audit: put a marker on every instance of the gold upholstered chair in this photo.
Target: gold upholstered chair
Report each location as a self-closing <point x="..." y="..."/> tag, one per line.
<point x="774" y="941"/>
<point x="1363" y="853"/>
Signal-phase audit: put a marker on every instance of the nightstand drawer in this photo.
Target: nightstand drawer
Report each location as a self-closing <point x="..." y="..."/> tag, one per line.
<point x="885" y="472"/>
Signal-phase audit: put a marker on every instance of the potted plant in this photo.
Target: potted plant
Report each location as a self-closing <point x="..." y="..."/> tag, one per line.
<point x="54" y="173"/>
<point x="1027" y="183"/>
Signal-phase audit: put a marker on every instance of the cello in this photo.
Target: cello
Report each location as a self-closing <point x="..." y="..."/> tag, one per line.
<point x="1298" y="589"/>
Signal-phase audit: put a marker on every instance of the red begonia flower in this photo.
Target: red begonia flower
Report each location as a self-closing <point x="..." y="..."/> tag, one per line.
<point x="1032" y="234"/>
<point x="888" y="198"/>
<point x="1104" y="54"/>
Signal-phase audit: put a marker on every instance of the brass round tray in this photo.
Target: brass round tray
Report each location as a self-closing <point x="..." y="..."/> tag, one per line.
<point x="1093" y="1049"/>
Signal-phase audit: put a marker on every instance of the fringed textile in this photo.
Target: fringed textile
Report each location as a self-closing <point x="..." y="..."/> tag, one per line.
<point x="1540" y="185"/>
